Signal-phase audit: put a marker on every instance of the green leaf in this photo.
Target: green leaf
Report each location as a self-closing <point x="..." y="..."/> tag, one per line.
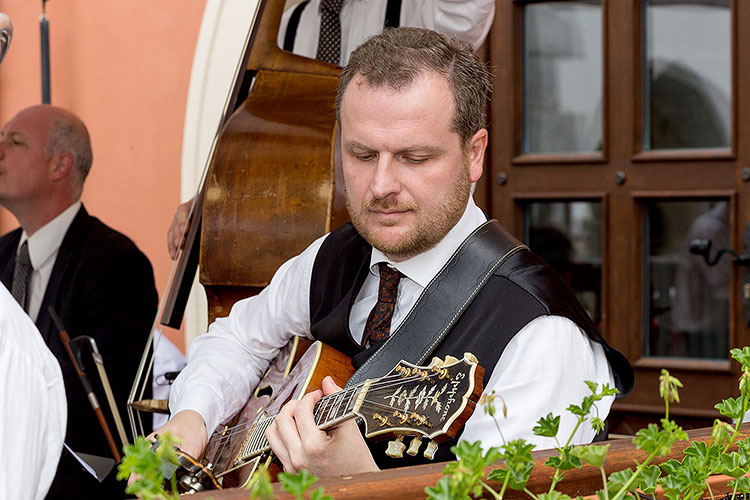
<point x="742" y="483"/>
<point x="260" y="485"/>
<point x="149" y="464"/>
<point x="591" y="454"/>
<point x="564" y="460"/>
<point x="617" y="481"/>
<point x="547" y="426"/>
<point x="319" y="494"/>
<point x="658" y="442"/>
<point x="555" y="495"/>
<point x="518" y="464"/>
<point x="731" y="407"/>
<point x="648" y="479"/>
<point x="576" y="410"/>
<point x="297" y="484"/>
<point x="732" y="465"/>
<point x="742" y="356"/>
<point x="443" y="490"/>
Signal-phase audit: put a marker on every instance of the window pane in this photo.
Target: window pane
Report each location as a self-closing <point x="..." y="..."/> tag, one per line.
<point x="687" y="301"/>
<point x="568" y="235"/>
<point x="562" y="77"/>
<point x="687" y="74"/>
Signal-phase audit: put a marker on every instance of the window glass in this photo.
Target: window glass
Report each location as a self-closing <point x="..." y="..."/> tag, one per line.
<point x="687" y="74"/>
<point x="568" y="235"/>
<point x="687" y="300"/>
<point x="562" y="79"/>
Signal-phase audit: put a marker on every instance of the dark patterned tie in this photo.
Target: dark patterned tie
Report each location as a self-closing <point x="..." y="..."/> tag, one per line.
<point x="22" y="276"/>
<point x="329" y="41"/>
<point x="378" y="326"/>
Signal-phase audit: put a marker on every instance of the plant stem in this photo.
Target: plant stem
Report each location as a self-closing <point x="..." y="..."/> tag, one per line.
<point x="528" y="492"/>
<point x="555" y="479"/>
<point x="578" y="424"/>
<point x="492" y="491"/>
<point x="708" y="488"/>
<point x="604" y="483"/>
<point x="744" y="396"/>
<point x="636" y="473"/>
<point x="505" y="482"/>
<point x="497" y="424"/>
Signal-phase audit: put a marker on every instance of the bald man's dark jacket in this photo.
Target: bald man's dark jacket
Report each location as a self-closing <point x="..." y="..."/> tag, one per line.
<point x="101" y="286"/>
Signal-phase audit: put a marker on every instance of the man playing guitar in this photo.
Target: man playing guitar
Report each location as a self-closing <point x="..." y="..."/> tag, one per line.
<point x="411" y="110"/>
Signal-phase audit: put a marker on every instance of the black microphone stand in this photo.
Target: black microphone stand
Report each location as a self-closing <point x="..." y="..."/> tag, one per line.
<point x="44" y="38"/>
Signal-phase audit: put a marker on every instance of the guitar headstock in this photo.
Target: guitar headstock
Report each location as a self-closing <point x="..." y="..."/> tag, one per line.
<point x="430" y="401"/>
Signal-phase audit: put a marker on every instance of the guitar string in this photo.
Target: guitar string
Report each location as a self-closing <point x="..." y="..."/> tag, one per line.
<point x="382" y="383"/>
<point x="385" y="382"/>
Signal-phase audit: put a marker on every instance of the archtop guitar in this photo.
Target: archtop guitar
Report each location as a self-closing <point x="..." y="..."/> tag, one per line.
<point x="427" y="402"/>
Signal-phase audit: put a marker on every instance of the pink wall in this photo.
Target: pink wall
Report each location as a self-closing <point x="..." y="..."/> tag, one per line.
<point x="123" y="67"/>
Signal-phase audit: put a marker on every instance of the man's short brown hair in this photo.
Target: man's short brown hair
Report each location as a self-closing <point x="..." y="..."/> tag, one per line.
<point x="398" y="56"/>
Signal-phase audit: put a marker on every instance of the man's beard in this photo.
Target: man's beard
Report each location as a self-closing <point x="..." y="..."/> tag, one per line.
<point x="430" y="227"/>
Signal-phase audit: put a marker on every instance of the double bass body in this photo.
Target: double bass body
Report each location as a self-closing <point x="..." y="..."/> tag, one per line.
<point x="273" y="184"/>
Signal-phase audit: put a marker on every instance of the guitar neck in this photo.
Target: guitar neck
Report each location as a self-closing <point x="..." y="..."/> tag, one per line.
<point x="329" y="412"/>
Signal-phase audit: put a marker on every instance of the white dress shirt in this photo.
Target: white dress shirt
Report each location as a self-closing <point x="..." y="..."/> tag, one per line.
<point x="43" y="247"/>
<point x="33" y="411"/>
<point x="542" y="369"/>
<point x="467" y="20"/>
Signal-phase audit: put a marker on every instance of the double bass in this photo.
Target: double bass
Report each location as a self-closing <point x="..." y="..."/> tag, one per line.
<point x="273" y="184"/>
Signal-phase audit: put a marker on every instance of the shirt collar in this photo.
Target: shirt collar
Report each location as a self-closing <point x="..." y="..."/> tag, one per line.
<point x="47" y="240"/>
<point x="423" y="267"/>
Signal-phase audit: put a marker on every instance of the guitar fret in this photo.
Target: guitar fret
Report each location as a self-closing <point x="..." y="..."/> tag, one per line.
<point x="322" y="410"/>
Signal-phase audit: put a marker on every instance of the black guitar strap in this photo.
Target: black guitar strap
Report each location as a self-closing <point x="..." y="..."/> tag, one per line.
<point x="443" y="301"/>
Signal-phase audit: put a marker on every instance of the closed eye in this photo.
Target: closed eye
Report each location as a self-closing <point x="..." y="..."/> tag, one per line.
<point x="416" y="160"/>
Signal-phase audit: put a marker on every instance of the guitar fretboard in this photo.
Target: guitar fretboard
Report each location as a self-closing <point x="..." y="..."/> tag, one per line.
<point x="328" y="412"/>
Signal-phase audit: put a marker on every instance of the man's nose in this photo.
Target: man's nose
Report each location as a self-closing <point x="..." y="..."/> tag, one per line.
<point x="385" y="178"/>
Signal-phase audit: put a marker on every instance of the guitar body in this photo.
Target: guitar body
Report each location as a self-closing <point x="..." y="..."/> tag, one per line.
<point x="298" y="369"/>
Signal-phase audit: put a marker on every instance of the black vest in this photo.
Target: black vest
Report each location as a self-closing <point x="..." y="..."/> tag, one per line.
<point x="523" y="288"/>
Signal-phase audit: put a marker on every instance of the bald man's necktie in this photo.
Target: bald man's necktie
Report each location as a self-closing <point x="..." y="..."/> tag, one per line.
<point x="378" y="326"/>
<point x="22" y="276"/>
<point x="329" y="41"/>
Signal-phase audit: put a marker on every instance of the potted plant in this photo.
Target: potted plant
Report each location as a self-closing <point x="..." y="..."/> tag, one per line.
<point x="719" y="465"/>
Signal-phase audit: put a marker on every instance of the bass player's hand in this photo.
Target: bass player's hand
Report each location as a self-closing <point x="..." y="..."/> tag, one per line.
<point x="178" y="228"/>
<point x="299" y="444"/>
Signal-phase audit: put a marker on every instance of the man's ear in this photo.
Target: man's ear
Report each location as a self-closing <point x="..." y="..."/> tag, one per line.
<point x="475" y="154"/>
<point x="61" y="165"/>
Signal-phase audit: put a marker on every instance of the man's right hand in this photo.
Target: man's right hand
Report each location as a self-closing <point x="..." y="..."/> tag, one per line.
<point x="178" y="228"/>
<point x="189" y="428"/>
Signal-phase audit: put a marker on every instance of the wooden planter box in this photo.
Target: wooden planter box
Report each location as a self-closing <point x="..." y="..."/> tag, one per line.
<point x="408" y="483"/>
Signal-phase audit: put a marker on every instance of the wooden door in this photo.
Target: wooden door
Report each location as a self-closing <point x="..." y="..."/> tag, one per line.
<point x="620" y="131"/>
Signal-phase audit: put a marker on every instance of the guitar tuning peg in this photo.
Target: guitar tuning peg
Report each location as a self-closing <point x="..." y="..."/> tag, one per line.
<point x="429" y="452"/>
<point x="471" y="358"/>
<point x="414" y="446"/>
<point x="396" y="448"/>
<point x="449" y="360"/>
<point x="435" y="362"/>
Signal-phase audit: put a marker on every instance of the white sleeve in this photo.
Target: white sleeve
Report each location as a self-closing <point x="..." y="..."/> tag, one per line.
<point x="542" y="370"/>
<point x="225" y="364"/>
<point x="467" y="20"/>
<point x="33" y="410"/>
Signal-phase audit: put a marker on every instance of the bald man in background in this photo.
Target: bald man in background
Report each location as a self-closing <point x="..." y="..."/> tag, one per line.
<point x="97" y="280"/>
